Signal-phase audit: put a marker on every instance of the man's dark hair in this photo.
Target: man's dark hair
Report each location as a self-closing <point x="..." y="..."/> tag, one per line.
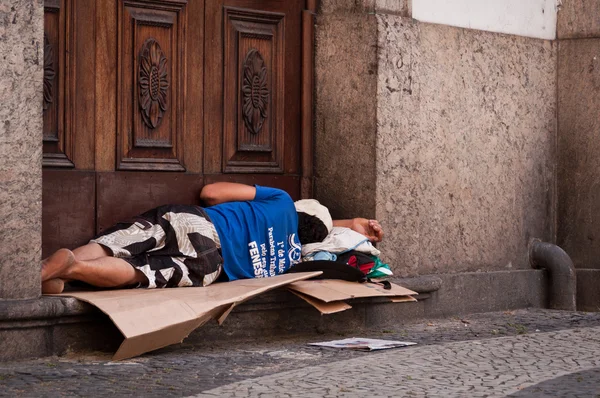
<point x="310" y="229"/>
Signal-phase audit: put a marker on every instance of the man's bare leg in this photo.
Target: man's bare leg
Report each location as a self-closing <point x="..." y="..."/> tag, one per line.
<point x="91" y="251"/>
<point x="53" y="286"/>
<point x="105" y="271"/>
<point x="54" y="264"/>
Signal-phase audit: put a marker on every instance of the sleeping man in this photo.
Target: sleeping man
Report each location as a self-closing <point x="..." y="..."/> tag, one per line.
<point x="245" y="232"/>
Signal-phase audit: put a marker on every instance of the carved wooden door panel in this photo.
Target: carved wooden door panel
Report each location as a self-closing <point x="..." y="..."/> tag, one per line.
<point x="147" y="100"/>
<point x="151" y="149"/>
<point x="254" y="91"/>
<point x="123" y="112"/>
<point x="68" y="195"/>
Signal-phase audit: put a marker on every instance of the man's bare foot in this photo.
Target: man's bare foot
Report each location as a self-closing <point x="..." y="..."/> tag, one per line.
<point x="57" y="264"/>
<point x="53" y="286"/>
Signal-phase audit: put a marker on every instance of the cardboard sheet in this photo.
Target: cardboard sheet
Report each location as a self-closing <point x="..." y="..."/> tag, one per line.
<point x="154" y="318"/>
<point x="402" y="299"/>
<point x="330" y="290"/>
<point x="323" y="307"/>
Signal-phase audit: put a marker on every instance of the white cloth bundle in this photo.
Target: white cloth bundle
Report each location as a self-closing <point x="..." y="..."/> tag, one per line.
<point x="340" y="240"/>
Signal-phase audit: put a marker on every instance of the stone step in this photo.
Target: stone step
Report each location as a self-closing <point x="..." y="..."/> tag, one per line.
<point x="57" y="325"/>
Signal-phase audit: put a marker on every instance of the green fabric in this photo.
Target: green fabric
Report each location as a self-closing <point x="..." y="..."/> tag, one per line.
<point x="380" y="269"/>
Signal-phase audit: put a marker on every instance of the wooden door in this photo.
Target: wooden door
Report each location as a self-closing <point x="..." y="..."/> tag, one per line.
<point x="145" y="101"/>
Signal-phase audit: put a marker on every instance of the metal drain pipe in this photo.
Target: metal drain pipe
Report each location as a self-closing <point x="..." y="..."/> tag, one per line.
<point x="561" y="272"/>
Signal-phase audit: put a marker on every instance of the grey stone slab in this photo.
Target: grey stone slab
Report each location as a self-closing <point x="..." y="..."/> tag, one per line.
<point x="466" y="129"/>
<point x="420" y="284"/>
<point x="490" y="291"/>
<point x="588" y="289"/>
<point x="25" y="343"/>
<point x="578" y="146"/>
<point x="21" y="77"/>
<point x="43" y="308"/>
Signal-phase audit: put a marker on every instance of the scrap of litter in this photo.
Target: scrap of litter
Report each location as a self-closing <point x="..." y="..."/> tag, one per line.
<point x="363" y="344"/>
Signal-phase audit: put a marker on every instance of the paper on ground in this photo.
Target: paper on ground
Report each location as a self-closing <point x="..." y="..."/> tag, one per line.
<point x="154" y="318"/>
<point x="363" y="344"/>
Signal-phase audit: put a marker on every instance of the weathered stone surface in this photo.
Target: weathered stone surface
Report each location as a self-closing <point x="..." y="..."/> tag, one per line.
<point x="474" y="292"/>
<point x="578" y="18"/>
<point x="588" y="293"/>
<point x="45" y="307"/>
<point x="481" y="368"/>
<point x="67" y="324"/>
<point x="57" y="336"/>
<point x="341" y="6"/>
<point x="21" y="63"/>
<point x="465" y="147"/>
<point x="420" y="284"/>
<point x="24" y="343"/>
<point x="400" y="7"/>
<point x="346" y="81"/>
<point x="578" y="148"/>
<point x="527" y="349"/>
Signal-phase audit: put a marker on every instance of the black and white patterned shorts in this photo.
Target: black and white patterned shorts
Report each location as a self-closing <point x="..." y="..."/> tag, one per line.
<point x="173" y="245"/>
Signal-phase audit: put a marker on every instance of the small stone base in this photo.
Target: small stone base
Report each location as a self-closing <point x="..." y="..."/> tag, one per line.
<point x="53" y="326"/>
<point x="588" y="290"/>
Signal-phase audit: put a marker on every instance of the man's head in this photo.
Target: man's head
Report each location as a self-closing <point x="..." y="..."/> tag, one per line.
<point x="314" y="221"/>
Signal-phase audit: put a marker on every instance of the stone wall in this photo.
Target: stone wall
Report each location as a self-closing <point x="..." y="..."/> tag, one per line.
<point x="346" y="104"/>
<point x="578" y="131"/>
<point x="346" y="83"/>
<point x="578" y="144"/>
<point x="579" y="150"/>
<point x="465" y="146"/>
<point x="446" y="135"/>
<point x="21" y="76"/>
<point x="578" y="18"/>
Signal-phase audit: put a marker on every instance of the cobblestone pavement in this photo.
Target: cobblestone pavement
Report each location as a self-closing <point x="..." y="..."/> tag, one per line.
<point x="524" y="353"/>
<point x="493" y="367"/>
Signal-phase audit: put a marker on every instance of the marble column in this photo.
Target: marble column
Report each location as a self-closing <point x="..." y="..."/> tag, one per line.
<point x="21" y="91"/>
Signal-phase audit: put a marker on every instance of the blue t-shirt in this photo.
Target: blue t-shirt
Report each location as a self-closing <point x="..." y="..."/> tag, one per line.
<point x="259" y="238"/>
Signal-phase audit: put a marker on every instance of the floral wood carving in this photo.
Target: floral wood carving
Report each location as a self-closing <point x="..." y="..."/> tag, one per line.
<point x="153" y="83"/>
<point x="255" y="93"/>
<point x="49" y="72"/>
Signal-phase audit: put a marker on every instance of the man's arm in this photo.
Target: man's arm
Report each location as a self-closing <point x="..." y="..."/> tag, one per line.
<point x="221" y="192"/>
<point x="369" y="228"/>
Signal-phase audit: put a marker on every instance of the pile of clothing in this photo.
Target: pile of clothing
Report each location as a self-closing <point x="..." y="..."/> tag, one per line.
<point x="343" y="254"/>
<point x="349" y="247"/>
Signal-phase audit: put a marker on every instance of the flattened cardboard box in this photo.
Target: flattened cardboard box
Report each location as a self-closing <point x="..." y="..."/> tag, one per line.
<point x="154" y="318"/>
<point x="323" y="307"/>
<point x="327" y="295"/>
